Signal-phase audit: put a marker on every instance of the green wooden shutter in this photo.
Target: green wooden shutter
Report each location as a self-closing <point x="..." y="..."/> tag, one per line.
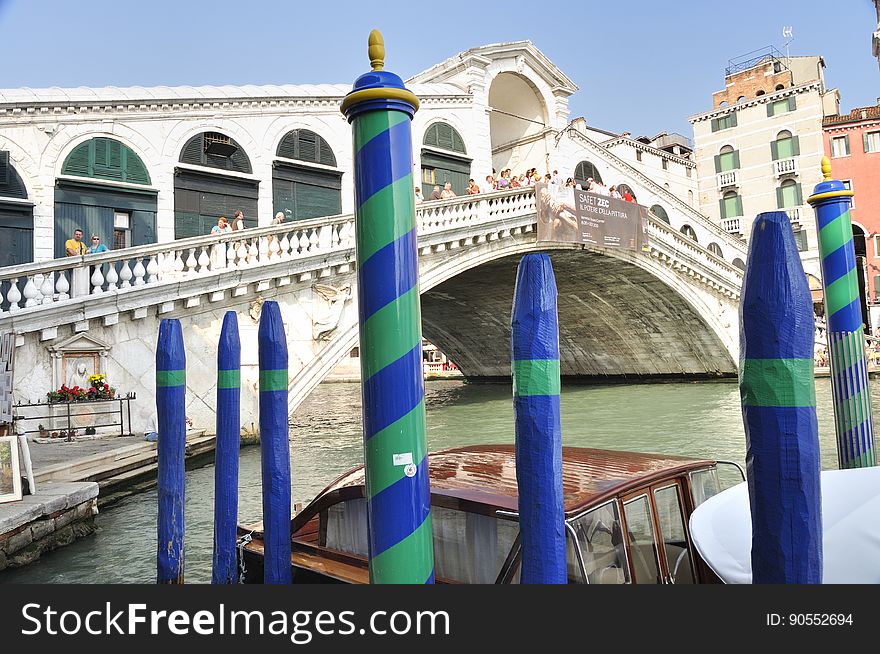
<point x="799" y="194"/>
<point x="4" y="168"/>
<point x="846" y="143"/>
<point x="865" y="141"/>
<point x="77" y="162"/>
<point x="795" y="146"/>
<point x="732" y="119"/>
<point x="717" y="163"/>
<point x="769" y="110"/>
<point x="723" y="208"/>
<point x="774" y="150"/>
<point x="780" y="198"/>
<point x="876" y="286"/>
<point x="739" y="205"/>
<point x="736" y="159"/>
<point x="714" y="124"/>
<point x="792" y="104"/>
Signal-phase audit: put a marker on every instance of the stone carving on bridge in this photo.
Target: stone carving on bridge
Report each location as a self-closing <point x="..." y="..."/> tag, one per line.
<point x="256" y="309"/>
<point x="326" y="318"/>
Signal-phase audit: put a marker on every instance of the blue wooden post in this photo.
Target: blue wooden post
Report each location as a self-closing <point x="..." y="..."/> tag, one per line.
<point x="171" y="412"/>
<point x="536" y="387"/>
<point x="777" y="391"/>
<point x="274" y="445"/>
<point x="226" y="458"/>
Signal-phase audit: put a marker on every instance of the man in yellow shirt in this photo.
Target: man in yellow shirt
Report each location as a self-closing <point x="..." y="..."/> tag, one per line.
<point x="75" y="246"/>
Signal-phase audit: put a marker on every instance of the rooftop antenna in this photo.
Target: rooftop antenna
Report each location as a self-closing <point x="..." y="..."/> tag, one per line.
<point x="787" y="34"/>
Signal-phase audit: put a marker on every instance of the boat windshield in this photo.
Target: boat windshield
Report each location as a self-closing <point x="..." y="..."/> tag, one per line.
<point x="704" y="484"/>
<point x="600" y="539"/>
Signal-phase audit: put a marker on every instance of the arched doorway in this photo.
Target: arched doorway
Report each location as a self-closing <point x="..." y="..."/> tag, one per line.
<point x="624" y="188"/>
<point x="299" y="190"/>
<point x="203" y="194"/>
<point x="16" y="216"/>
<point x="518" y="115"/>
<point x="444" y="159"/>
<point x="120" y="216"/>
<point x="661" y="214"/>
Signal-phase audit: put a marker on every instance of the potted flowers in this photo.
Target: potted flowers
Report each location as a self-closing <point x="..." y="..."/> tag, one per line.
<point x="99" y="390"/>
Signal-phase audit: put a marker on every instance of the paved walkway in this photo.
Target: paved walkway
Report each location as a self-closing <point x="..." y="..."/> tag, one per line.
<point x="50" y="454"/>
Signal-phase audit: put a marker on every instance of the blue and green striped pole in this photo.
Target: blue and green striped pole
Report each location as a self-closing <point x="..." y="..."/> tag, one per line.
<point x="853" y="420"/>
<point x="536" y="386"/>
<point x="380" y="109"/>
<point x="274" y="445"/>
<point x="778" y="395"/>
<point x="171" y="481"/>
<point x="226" y="458"/>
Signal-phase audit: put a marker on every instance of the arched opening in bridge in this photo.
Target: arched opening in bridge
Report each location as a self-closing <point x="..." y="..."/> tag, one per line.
<point x="444" y="159"/>
<point x="739" y="263"/>
<point x="623" y="189"/>
<point x="16" y="216"/>
<point x="660" y="213"/>
<point x="304" y="182"/>
<point x="688" y="231"/>
<point x="860" y="246"/>
<point x="715" y="249"/>
<point x="203" y="194"/>
<point x="584" y="171"/>
<point x="517" y="119"/>
<point x="87" y="199"/>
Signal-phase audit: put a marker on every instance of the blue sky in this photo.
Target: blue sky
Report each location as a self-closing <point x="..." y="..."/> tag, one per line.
<point x="641" y="66"/>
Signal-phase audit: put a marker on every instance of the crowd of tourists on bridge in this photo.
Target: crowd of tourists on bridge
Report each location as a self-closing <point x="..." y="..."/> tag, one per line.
<point x="506" y="180"/>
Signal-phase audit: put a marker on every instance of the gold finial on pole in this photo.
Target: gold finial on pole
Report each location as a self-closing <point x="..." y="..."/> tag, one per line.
<point x="376" y="50"/>
<point x="826" y="168"/>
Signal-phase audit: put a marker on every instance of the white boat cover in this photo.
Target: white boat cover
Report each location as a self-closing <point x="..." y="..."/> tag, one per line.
<point x="721" y="529"/>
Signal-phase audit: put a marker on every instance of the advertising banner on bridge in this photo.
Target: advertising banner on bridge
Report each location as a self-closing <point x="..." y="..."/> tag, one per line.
<point x="570" y="215"/>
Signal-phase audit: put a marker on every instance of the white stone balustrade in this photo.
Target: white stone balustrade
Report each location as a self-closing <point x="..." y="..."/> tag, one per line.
<point x="442" y="225"/>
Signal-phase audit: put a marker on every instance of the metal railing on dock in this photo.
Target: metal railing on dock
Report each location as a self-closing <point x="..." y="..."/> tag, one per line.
<point x="69" y="412"/>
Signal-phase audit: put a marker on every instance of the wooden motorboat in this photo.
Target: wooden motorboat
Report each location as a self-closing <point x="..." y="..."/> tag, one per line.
<point x="626" y="517"/>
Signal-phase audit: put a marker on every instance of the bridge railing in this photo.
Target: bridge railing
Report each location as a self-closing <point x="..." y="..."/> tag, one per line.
<point x="34" y="284"/>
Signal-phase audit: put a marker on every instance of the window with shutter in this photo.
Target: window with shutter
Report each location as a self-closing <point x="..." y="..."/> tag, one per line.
<point x="11" y="185"/>
<point x="444" y="137"/>
<point x="305" y="145"/>
<point x="104" y="158"/>
<point x="731" y="206"/>
<point x="660" y="212"/>
<point x="840" y="146"/>
<point x="871" y="141"/>
<point x="228" y="156"/>
<point x="584" y="171"/>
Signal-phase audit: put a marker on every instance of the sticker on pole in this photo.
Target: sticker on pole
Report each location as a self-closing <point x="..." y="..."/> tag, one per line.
<point x="410" y="470"/>
<point x="404" y="459"/>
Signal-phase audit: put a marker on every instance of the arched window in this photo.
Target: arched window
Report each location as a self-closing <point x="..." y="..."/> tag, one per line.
<point x="623" y="188"/>
<point x="731" y="205"/>
<point x="300" y="191"/>
<point x="789" y="195"/>
<point x="688" y="231"/>
<point x="715" y="249"/>
<point x="690" y="197"/>
<point x="660" y="212"/>
<point x="215" y="150"/>
<point x="759" y="93"/>
<point x="584" y="171"/>
<point x="305" y="145"/>
<point x="16" y="219"/>
<point x="119" y="217"/>
<point x="202" y="196"/>
<point x="104" y="158"/>
<point x="741" y="99"/>
<point x="727" y="159"/>
<point x="785" y="146"/>
<point x="444" y="159"/>
<point x="739" y="263"/>
<point x="779" y="87"/>
<point x="445" y="137"/>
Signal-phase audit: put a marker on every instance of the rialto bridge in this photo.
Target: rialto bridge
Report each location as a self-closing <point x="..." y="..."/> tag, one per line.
<point x="150" y="169"/>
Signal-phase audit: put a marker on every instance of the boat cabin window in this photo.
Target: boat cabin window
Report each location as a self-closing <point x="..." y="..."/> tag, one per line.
<point x="704" y="484"/>
<point x="600" y="538"/>
<point x="667" y="502"/>
<point x="470" y="547"/>
<point x="347" y="527"/>
<point x="642" y="545"/>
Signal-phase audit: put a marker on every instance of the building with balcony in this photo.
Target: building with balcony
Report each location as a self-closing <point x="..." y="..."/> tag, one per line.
<point x="852" y="141"/>
<point x="760" y="146"/>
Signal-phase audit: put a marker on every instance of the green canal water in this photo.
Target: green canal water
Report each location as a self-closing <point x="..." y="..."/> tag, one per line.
<point x="696" y="419"/>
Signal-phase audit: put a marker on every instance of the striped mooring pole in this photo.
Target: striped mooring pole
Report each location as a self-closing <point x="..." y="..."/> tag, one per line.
<point x="853" y="420"/>
<point x="380" y="109"/>
<point x="778" y="395"/>
<point x="536" y="387"/>
<point x="224" y="569"/>
<point x="274" y="445"/>
<point x="171" y="480"/>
